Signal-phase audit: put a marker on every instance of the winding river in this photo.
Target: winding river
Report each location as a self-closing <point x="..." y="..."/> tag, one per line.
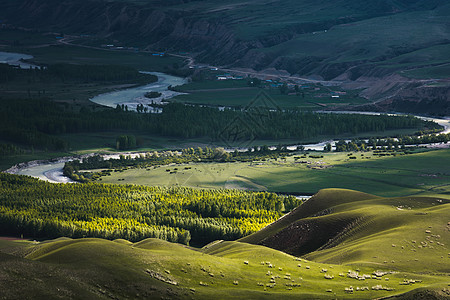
<point x="134" y="96"/>
<point x="52" y="170"/>
<point x="16" y="59"/>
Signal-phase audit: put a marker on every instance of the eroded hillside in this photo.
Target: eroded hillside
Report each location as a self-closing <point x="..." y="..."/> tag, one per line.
<point x="363" y="44"/>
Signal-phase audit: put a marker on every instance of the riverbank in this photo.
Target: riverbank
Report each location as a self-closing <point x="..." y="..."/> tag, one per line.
<point x="17" y="59"/>
<point x="132" y="97"/>
<point x="51" y="170"/>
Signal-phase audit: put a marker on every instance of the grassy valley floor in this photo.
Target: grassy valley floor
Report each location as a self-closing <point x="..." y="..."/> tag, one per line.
<point x="420" y="173"/>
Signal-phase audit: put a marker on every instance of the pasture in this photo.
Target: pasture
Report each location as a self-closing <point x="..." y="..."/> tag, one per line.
<point x="151" y="268"/>
<point x="237" y="93"/>
<point x="419" y="173"/>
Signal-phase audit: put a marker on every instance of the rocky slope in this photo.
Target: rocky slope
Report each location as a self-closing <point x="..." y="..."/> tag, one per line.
<point x="341" y="40"/>
<point x="213" y="34"/>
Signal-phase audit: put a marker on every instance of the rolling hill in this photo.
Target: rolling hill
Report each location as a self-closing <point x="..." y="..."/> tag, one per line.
<point x="397" y="247"/>
<point x="348" y="227"/>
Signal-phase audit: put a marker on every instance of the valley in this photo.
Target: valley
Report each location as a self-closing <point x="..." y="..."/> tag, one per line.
<point x="267" y="149"/>
<point x="354" y="264"/>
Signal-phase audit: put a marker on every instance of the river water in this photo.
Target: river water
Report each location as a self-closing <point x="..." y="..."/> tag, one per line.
<point x="444" y="122"/>
<point x="52" y="171"/>
<point x="14" y="59"/>
<point x="134" y="96"/>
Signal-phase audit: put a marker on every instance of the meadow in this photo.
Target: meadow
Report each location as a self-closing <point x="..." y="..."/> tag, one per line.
<point x="46" y="50"/>
<point x="67" y="83"/>
<point x="239" y="93"/>
<point x="224" y="227"/>
<point x="401" y="233"/>
<point x="409" y="260"/>
<point x="419" y="173"/>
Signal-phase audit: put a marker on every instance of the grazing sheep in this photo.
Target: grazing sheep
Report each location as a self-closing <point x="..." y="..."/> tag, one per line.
<point x="349" y="289"/>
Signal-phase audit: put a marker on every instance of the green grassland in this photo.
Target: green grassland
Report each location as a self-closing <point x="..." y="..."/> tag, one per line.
<point x="389" y="41"/>
<point x="381" y="255"/>
<point x="441" y="71"/>
<point x="20" y="38"/>
<point x="122" y="269"/>
<point x="105" y="142"/>
<point x="419" y="173"/>
<point x="401" y="233"/>
<point x="237" y="93"/>
<point x="325" y="38"/>
<point x="69" y="91"/>
<point x="59" y="53"/>
<point x="253" y="19"/>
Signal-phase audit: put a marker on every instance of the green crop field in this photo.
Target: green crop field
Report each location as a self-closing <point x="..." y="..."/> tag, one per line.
<point x="420" y="173"/>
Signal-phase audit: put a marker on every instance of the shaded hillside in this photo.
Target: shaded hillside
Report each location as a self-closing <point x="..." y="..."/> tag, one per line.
<point x="300" y="233"/>
<point x="390" y="50"/>
<point x="155" y="269"/>
<point x="248" y="33"/>
<point x="358" y="228"/>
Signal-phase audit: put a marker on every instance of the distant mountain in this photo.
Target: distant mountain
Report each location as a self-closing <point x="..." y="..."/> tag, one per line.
<point x="350" y="40"/>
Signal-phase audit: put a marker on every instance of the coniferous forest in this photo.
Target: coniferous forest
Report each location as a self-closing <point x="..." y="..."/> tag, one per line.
<point x="194" y="149"/>
<point x="38" y="123"/>
<point x="38" y="209"/>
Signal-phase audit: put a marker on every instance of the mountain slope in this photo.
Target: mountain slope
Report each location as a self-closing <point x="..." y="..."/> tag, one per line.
<point x="222" y="33"/>
<point x="394" y="50"/>
<point x="402" y="233"/>
<point x="95" y="268"/>
<point x="374" y="248"/>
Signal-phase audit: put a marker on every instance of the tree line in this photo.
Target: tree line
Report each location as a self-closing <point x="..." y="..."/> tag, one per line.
<point x="389" y="143"/>
<point x="35" y="123"/>
<point x="74" y="169"/>
<point x="39" y="209"/>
